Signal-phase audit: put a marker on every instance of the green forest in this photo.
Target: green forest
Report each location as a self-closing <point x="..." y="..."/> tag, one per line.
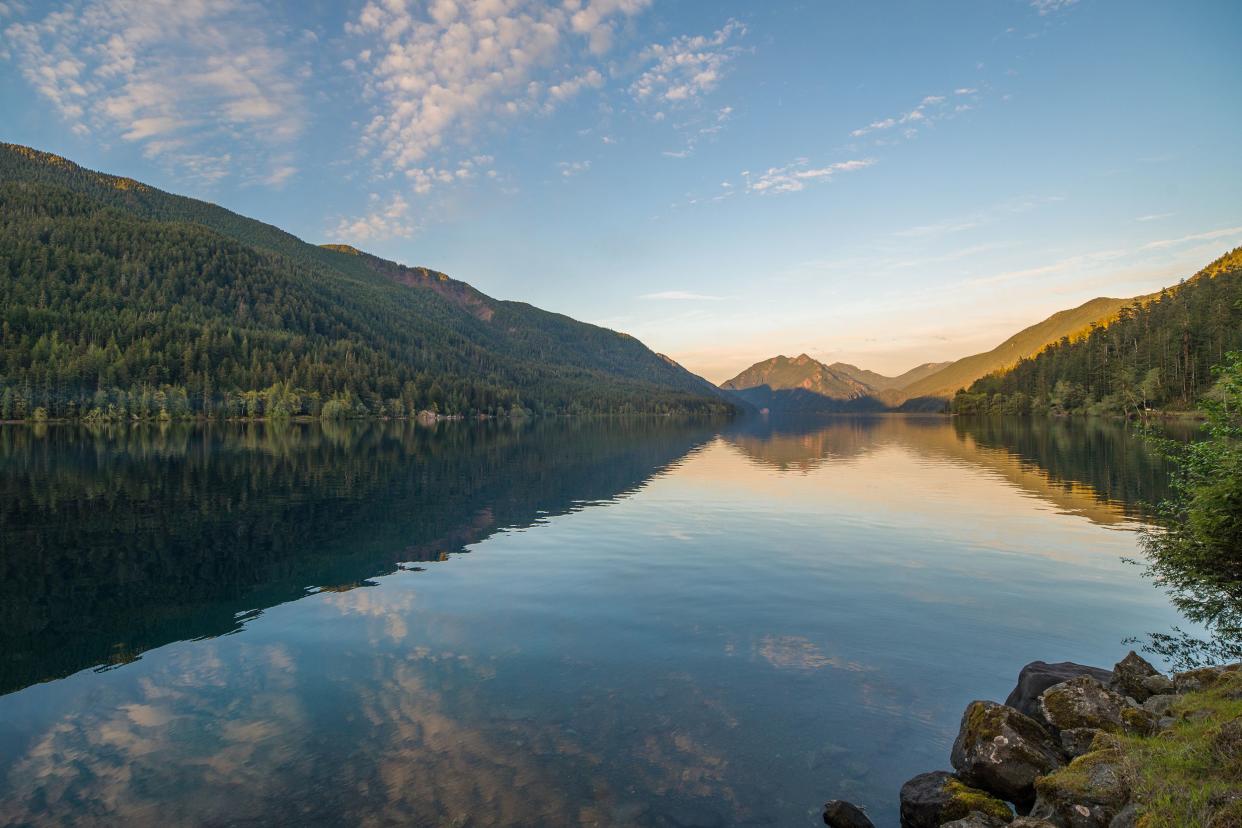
<point x="1158" y="354"/>
<point x="120" y="301"/>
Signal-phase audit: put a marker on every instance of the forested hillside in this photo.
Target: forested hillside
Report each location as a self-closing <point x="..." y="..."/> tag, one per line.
<point x="120" y="300"/>
<point x="1158" y="354"/>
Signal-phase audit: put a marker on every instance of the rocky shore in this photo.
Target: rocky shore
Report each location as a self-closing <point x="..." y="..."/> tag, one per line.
<point x="1056" y="753"/>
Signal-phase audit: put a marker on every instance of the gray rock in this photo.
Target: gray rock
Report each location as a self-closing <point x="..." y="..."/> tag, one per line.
<point x="1077" y="740"/>
<point x="1158" y="684"/>
<point x="1127" y="817"/>
<point x="1084" y="702"/>
<point x="977" y="819"/>
<point x="929" y="800"/>
<point x="1038" y="676"/>
<point x="1031" y="822"/>
<point x="841" y="814"/>
<point x="1159" y="706"/>
<point x="1129" y="675"/>
<point x="1193" y="681"/>
<point x="1002" y="751"/>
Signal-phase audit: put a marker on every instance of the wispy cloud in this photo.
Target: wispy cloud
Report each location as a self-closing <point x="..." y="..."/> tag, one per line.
<point x="1210" y="235"/>
<point x="979" y="218"/>
<point x="1154" y="217"/>
<point x="929" y="110"/>
<point x="571" y="168"/>
<point x="179" y="77"/>
<point x="796" y="176"/>
<point x="680" y="295"/>
<point x="1050" y="6"/>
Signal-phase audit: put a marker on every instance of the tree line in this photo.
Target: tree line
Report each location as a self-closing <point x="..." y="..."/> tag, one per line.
<point x="105" y="314"/>
<point x="1157" y="354"/>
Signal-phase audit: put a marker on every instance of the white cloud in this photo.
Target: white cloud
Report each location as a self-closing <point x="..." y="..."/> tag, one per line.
<point x="687" y="67"/>
<point x="931" y="109"/>
<point x="795" y="176"/>
<point x="437" y="74"/>
<point x="571" y="168"/>
<point x="425" y="178"/>
<point x="1154" y="217"/>
<point x="382" y="221"/>
<point x="1050" y="6"/>
<point x="180" y="77"/>
<point x="680" y="295"/>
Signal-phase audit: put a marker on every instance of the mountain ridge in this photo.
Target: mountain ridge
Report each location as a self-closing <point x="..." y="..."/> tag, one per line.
<point x="930" y="386"/>
<point x="125" y="300"/>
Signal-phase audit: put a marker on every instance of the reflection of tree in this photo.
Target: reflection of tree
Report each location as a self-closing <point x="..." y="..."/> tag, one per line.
<point x="124" y="538"/>
<point x="1094" y="468"/>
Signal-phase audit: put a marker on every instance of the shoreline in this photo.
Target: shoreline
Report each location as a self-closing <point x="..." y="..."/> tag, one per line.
<point x="1075" y="746"/>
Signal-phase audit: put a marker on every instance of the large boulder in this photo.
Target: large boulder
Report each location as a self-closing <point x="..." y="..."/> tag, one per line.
<point x="1084" y="702"/>
<point x="1192" y="681"/>
<point x="1038" y="676"/>
<point x="929" y="800"/>
<point x="1129" y="677"/>
<point x="841" y="814"/>
<point x="1002" y="751"/>
<point x="1087" y="793"/>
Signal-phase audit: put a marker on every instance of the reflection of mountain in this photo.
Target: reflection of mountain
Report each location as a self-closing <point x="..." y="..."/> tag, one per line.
<point x="1094" y="468"/>
<point x="125" y="541"/>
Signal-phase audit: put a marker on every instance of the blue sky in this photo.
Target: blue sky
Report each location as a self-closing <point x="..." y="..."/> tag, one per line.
<point x="885" y="183"/>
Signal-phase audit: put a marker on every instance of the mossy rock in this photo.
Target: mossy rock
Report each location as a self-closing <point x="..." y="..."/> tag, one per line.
<point x="1129" y="676"/>
<point x="1003" y="751"/>
<point x="1086" y="793"/>
<point x="1084" y="702"/>
<point x="929" y="800"/>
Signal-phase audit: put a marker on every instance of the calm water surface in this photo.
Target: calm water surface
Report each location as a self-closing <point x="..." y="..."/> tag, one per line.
<point x="665" y="625"/>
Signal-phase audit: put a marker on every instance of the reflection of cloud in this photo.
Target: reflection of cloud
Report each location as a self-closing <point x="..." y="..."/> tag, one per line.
<point x="793" y="652"/>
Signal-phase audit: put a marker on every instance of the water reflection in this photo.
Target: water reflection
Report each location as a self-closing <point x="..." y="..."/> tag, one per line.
<point x="122" y="539"/>
<point x="758" y="618"/>
<point x="1094" y="468"/>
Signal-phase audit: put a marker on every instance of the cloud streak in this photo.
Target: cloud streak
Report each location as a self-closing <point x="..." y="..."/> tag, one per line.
<point x="798" y="175"/>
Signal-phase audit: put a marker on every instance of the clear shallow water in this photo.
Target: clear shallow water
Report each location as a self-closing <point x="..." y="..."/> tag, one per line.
<point x="655" y="624"/>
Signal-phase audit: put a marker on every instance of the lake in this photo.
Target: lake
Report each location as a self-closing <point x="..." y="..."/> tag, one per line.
<point x="539" y="623"/>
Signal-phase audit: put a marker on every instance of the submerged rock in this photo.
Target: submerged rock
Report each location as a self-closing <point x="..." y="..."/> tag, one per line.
<point x="841" y="814"/>
<point x="1038" y="676"/>
<point x="1129" y="675"/>
<point x="1086" y="703"/>
<point x="1087" y="793"/>
<point x="929" y="800"/>
<point x="1002" y="751"/>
